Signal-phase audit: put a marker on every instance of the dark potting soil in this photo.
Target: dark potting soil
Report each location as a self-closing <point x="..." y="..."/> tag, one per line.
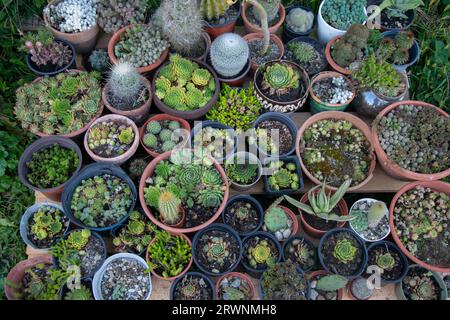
<point x="91" y="257"/>
<point x="50" y="240"/>
<point x="395" y="22"/>
<point x="291" y="253"/>
<point x="413" y="279"/>
<point x="313" y="66"/>
<point x="396" y="271"/>
<point x="256" y="45"/>
<point x="292" y="95"/>
<point x="230" y="15"/>
<point x="252" y="19"/>
<point x="252" y="242"/>
<point x="138" y="100"/>
<point x="321" y="224"/>
<point x="197" y="215"/>
<point x="192" y="287"/>
<point x="246" y="224"/>
<point x="333" y="264"/>
<point x="285" y="136"/>
<point x="316" y="294"/>
<point x="222" y="262"/>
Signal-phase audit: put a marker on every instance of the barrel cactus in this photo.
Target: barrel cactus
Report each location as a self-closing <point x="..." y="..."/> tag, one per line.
<point x="169" y="207"/>
<point x="214" y="9"/>
<point x="125" y="83"/>
<point x="229" y="54"/>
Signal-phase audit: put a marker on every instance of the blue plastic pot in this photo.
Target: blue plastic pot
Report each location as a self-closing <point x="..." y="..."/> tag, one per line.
<point x="71" y="65"/>
<point x="218" y="227"/>
<point x="254" y="203"/>
<point x="289" y="159"/>
<point x="392" y="247"/>
<point x="414" y="52"/>
<point x="289" y="34"/>
<point x="325" y="237"/>
<point x="90" y="171"/>
<point x="305" y="240"/>
<point x="193" y="274"/>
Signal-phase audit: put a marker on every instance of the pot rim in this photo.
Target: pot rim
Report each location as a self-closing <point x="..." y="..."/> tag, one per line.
<point x="330" y="74"/>
<point x="193" y="274"/>
<point x="254" y="203"/>
<point x="329" y="25"/>
<point x="247" y="155"/>
<point x="273" y="28"/>
<point x="221" y="25"/>
<point x="240" y="275"/>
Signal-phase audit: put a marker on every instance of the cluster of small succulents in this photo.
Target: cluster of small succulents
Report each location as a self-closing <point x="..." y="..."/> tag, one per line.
<point x="51" y="167"/>
<point x="46" y="226"/>
<point x="183" y="85"/>
<point x="371" y="220"/>
<point x="101" y="201"/>
<point x="335" y="150"/>
<point x="351" y="47"/>
<point x="60" y="104"/>
<point x="341" y="14"/>
<point x="217" y="142"/>
<point x="216" y="251"/>
<point x="283" y="175"/>
<point x="241" y="172"/>
<point x="140" y="45"/>
<point x="333" y="90"/>
<point x="110" y="139"/>
<point x="234" y="288"/>
<point x="162" y="136"/>
<point x="300" y="20"/>
<point x="72" y="16"/>
<point x="229" y="54"/>
<point x="416" y="138"/>
<point x="260" y="252"/>
<point x="277" y="221"/>
<point x="280" y="78"/>
<point x="99" y="60"/>
<point x="421" y="219"/>
<point x="419" y="284"/>
<point x="396" y="50"/>
<point x="41" y="282"/>
<point x="113" y="15"/>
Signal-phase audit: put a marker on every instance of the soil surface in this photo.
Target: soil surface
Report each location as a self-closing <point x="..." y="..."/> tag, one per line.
<point x="256" y="45"/>
<point x="394" y="22"/>
<point x="91" y="257"/>
<point x="192" y="287"/>
<point x="396" y="271"/>
<point x="197" y="215"/>
<point x="291" y="253"/>
<point x="245" y="225"/>
<point x="285" y="136"/>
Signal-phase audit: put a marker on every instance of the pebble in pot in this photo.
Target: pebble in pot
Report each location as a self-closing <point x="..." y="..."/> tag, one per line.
<point x="279" y="221"/>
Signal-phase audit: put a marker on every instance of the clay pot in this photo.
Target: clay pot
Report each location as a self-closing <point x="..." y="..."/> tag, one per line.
<point x="337" y="115"/>
<point x="240" y="275"/>
<point x="330" y="60"/>
<point x="215" y="30"/>
<point x="112" y="56"/>
<point x="259" y="36"/>
<point x="207" y="40"/>
<point x="17" y="273"/>
<point x="119" y="159"/>
<point x="159" y="117"/>
<point x="83" y="42"/>
<point x="149" y="172"/>
<point x="147" y="257"/>
<point x="316" y="273"/>
<point x="250" y="27"/>
<point x="138" y="114"/>
<point x="437" y="186"/>
<point x="389" y="166"/>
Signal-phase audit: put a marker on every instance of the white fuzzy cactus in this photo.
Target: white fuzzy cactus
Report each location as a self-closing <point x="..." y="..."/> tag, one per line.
<point x="229" y="54"/>
<point x="72" y="15"/>
<point x="125" y="85"/>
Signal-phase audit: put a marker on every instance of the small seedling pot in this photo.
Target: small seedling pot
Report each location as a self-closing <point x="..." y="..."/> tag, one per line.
<point x="293" y="217"/>
<point x="294" y="237"/>
<point x="260" y="36"/>
<point x="249" y="158"/>
<point x="288" y="33"/>
<point x="193" y="274"/>
<point x="317" y="46"/>
<point x="255" y="204"/>
<point x="370" y="200"/>
<point x="278" y="193"/>
<point x="215" y="30"/>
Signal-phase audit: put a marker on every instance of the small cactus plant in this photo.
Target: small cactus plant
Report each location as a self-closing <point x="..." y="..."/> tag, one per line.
<point x="99" y="60"/>
<point x="169" y="208"/>
<point x="214" y="9"/>
<point x="376" y="212"/>
<point x="300" y="20"/>
<point x="229" y="54"/>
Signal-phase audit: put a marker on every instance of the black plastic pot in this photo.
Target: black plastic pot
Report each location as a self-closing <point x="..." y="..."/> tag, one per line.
<point x="305" y="240"/>
<point x="314" y="43"/>
<point x="71" y="65"/>
<point x="218" y="227"/>
<point x="410" y="13"/>
<point x="255" y="204"/>
<point x="289" y="34"/>
<point x="193" y="274"/>
<point x="288" y="159"/>
<point x="90" y="171"/>
<point x="86" y="282"/>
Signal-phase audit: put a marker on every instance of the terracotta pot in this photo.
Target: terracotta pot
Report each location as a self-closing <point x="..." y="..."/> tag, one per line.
<point x="147" y="257"/>
<point x="313" y="274"/>
<point x="437" y="186"/>
<point x="207" y="40"/>
<point x="83" y="42"/>
<point x="192" y="114"/>
<point x="240" y="275"/>
<point x="159" y="117"/>
<point x="330" y="60"/>
<point x="119" y="159"/>
<point x="294" y="219"/>
<point x="389" y="166"/>
<point x="238" y="80"/>
<point x="337" y="115"/>
<point x="215" y="30"/>
<point x="250" y="27"/>
<point x="17" y="273"/>
<point x="316" y="233"/>
<point x="259" y="36"/>
<point x="142" y="184"/>
<point x="112" y="56"/>
<point x="137" y="115"/>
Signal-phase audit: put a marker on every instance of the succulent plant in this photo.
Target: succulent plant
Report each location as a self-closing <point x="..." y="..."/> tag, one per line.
<point x="135" y="235"/>
<point x="341" y="14"/>
<point x="216" y="250"/>
<point x="421" y="285"/>
<point x="376" y="212"/>
<point x="351" y="47"/>
<point x="386" y="261"/>
<point x="344" y="251"/>
<point x="270" y="6"/>
<point x="110" y="139"/>
<point x="78" y="239"/>
<point x="300" y="252"/>
<point x="261" y="254"/>
<point x="234" y="288"/>
<point x="214" y="9"/>
<point x="284" y="176"/>
<point x="275" y="219"/>
<point x="46" y="225"/>
<point x="99" y="60"/>
<point x="169" y="208"/>
<point x="71" y="16"/>
<point x="242" y="173"/>
<point x="331" y="282"/>
<point x="280" y="78"/>
<point x="229" y="54"/>
<point x="162" y="136"/>
<point x="300" y="20"/>
<point x="82" y="293"/>
<point x="217" y="142"/>
<point x="301" y="51"/>
<point x="137" y="167"/>
<point x="396" y="50"/>
<point x="113" y="15"/>
<point x="395" y="8"/>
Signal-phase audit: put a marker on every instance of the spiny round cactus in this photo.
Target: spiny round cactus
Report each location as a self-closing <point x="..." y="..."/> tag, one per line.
<point x="300" y="20"/>
<point x="169" y="207"/>
<point x="99" y="60"/>
<point x="229" y="54"/>
<point x="168" y="145"/>
<point x="150" y="140"/>
<point x="125" y="84"/>
<point x="344" y="251"/>
<point x="400" y="56"/>
<point x="275" y="219"/>
<point x="405" y="39"/>
<point x="302" y="51"/>
<point x="174" y="125"/>
<point x="154" y="127"/>
<point x="165" y="135"/>
<point x="386" y="48"/>
<point x="214" y="9"/>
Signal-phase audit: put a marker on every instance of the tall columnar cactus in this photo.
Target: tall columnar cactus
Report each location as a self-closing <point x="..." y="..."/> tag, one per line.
<point x="125" y="83"/>
<point x="169" y="207"/>
<point x="214" y="9"/>
<point x="270" y="6"/>
<point x="229" y="54"/>
<point x="262" y="14"/>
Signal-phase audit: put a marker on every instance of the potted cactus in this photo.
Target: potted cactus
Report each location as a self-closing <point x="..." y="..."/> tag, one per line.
<point x="251" y="14"/>
<point x="244" y="214"/>
<point x="371" y="221"/>
<point x="98" y="60"/>
<point x="300" y="21"/>
<point x="220" y="16"/>
<point x="235" y="286"/>
<point x="192" y="286"/>
<point x="399" y="48"/>
<point x="325" y="286"/>
<point x="280" y="221"/>
<point x="114" y="15"/>
<point x="308" y="53"/>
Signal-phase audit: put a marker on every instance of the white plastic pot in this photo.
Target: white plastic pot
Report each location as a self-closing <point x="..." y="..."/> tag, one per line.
<point x="369" y="200"/>
<point x="98" y="277"/>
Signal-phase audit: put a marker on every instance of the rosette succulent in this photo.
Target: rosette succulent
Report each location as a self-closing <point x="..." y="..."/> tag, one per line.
<point x="135" y="235"/>
<point x="344" y="251"/>
<point x="280" y="78"/>
<point x="110" y="139"/>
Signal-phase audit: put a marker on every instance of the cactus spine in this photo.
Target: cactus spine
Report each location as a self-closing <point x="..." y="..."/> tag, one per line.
<point x="169" y="207"/>
<point x="125" y="84"/>
<point x="214" y="9"/>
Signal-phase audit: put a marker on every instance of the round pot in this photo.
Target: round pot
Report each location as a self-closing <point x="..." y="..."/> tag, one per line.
<point x="83" y="42"/>
<point x="325" y="31"/>
<point x="319" y="106"/>
<point x="112" y="56"/>
<point x="142" y="184"/>
<point x="192" y="114"/>
<point x="39" y="145"/>
<point x="260" y="36"/>
<point x="355" y="236"/>
<point x="313" y="274"/>
<point x="392" y="247"/>
<point x="250" y="27"/>
<point x="147" y="258"/>
<point x="410" y="13"/>
<point x="317" y="46"/>
<point x="282" y="106"/>
<point x="137" y="115"/>
<point x="71" y="65"/>
<point x="360" y="235"/>
<point x="249" y="158"/>
<point x="389" y="166"/>
<point x="159" y="117"/>
<point x="285" y="244"/>
<point x="414" y="52"/>
<point x="444" y="293"/>
<point x="294" y="219"/>
<point x="350" y="293"/>
<point x="85" y="282"/>
<point x="334" y="66"/>
<point x="337" y="115"/>
<point x="215" y="30"/>
<point x="289" y="34"/>
<point x="215" y="227"/>
<point x="17" y="273"/>
<point x="437" y="186"/>
<point x="193" y="274"/>
<point x="236" y="81"/>
<point x="207" y="40"/>
<point x="286" y="159"/>
<point x="90" y="171"/>
<point x="98" y="277"/>
<point x="255" y="204"/>
<point x="316" y="233"/>
<point x="24" y="222"/>
<point x="240" y="275"/>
